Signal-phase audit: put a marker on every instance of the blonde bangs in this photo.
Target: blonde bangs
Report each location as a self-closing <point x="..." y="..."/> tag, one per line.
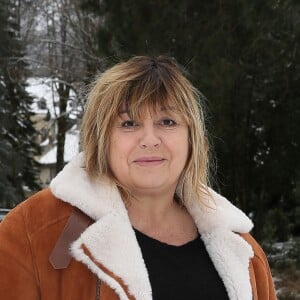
<point x="155" y="94"/>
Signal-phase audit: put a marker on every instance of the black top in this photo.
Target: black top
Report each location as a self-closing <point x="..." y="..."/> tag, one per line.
<point x="180" y="272"/>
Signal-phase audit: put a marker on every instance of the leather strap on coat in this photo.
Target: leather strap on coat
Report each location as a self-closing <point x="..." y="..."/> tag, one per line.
<point x="60" y="256"/>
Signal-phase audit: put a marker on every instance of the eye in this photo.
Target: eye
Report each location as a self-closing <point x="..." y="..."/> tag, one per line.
<point x="129" y="124"/>
<point x="168" y="123"/>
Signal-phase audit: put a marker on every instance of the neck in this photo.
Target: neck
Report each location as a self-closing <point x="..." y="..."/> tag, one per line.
<point x="151" y="210"/>
<point x="154" y="215"/>
<point x="162" y="218"/>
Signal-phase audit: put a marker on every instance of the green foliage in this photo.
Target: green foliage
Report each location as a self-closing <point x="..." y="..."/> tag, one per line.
<point x="244" y="57"/>
<point x="17" y="134"/>
<point x="277" y="227"/>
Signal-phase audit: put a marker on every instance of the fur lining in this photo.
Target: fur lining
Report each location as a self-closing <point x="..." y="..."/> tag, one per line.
<point x="230" y="255"/>
<point x="112" y="242"/>
<point x="126" y="262"/>
<point x="79" y="254"/>
<point x="218" y="213"/>
<point x="96" y="199"/>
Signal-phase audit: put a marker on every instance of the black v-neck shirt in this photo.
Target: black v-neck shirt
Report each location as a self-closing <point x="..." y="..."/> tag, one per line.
<point x="180" y="272"/>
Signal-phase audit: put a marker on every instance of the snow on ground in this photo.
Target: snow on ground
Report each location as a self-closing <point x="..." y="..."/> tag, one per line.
<point x="41" y="90"/>
<point x="46" y="98"/>
<point x="71" y="149"/>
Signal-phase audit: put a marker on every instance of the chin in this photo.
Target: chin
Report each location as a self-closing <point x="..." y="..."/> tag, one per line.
<point x="148" y="185"/>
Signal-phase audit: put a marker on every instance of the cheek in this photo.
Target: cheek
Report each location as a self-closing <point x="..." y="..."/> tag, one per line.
<point x="112" y="154"/>
<point x="182" y="151"/>
<point x="185" y="154"/>
<point x="182" y="144"/>
<point x="118" y="153"/>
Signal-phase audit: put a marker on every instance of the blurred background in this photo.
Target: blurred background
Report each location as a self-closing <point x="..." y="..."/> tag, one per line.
<point x="242" y="55"/>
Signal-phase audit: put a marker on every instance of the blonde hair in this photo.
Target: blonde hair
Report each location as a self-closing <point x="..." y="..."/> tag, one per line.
<point x="145" y="82"/>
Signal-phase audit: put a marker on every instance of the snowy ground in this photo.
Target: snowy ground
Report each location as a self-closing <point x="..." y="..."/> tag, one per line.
<point x="284" y="259"/>
<point x="43" y="90"/>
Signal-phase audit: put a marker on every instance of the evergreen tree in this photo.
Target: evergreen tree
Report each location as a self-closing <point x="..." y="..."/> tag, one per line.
<point x="17" y="135"/>
<point x="244" y="57"/>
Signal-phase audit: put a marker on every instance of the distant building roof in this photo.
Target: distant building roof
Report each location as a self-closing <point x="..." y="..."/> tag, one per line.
<point x="71" y="149"/>
<point x="46" y="97"/>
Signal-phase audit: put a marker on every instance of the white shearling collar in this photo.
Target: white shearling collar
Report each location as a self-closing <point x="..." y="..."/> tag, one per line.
<point x="112" y="242"/>
<point x="97" y="199"/>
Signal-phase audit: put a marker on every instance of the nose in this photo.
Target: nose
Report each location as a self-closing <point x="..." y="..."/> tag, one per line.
<point x="150" y="137"/>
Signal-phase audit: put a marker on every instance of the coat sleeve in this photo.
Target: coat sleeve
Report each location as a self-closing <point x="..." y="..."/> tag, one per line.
<point x="18" y="276"/>
<point x="262" y="281"/>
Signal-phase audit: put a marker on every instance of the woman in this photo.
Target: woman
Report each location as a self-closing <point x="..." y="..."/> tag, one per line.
<point x="132" y="217"/>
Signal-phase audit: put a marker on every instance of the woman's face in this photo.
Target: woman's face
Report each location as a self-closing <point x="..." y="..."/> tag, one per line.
<point x="148" y="156"/>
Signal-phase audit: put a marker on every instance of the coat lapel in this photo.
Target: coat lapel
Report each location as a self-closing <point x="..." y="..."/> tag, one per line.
<point x="110" y="249"/>
<point x="219" y="223"/>
<point x="109" y="246"/>
<point x="230" y="255"/>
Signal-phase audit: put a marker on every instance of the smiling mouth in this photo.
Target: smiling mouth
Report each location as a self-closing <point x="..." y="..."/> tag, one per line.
<point x="149" y="161"/>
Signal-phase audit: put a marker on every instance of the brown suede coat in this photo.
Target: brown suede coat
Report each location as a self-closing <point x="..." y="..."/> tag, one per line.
<point x="27" y="237"/>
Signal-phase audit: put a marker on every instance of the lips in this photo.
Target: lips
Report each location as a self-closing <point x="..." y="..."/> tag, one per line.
<point x="149" y="161"/>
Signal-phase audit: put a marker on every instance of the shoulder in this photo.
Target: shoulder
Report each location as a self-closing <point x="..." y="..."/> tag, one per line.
<point x="260" y="273"/>
<point x="259" y="253"/>
<point x="39" y="211"/>
<point x="27" y="236"/>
